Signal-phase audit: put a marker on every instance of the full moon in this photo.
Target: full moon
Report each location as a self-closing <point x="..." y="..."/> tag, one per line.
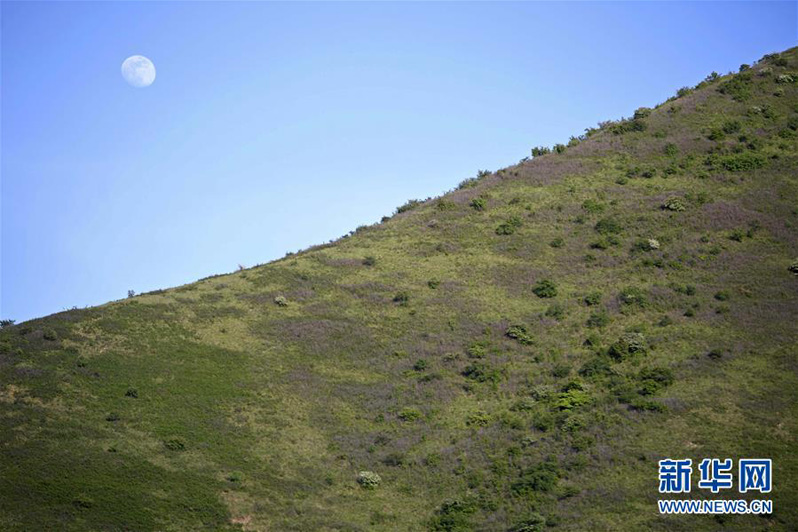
<point x="138" y="71"/>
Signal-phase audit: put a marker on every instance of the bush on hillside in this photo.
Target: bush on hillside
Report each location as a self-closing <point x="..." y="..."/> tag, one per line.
<point x="368" y="479"/>
<point x="673" y="204"/>
<point x="628" y="344"/>
<point x="545" y="288"/>
<point x="520" y="333"/>
<point x="478" y="204"/>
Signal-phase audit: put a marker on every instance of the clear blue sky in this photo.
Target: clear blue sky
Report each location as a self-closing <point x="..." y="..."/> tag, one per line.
<point x="274" y="126"/>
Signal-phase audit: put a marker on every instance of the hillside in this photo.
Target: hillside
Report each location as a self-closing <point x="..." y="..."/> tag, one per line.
<point x="517" y="354"/>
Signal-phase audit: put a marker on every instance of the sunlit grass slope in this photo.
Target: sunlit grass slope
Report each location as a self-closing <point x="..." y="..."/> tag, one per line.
<point x="515" y="355"/>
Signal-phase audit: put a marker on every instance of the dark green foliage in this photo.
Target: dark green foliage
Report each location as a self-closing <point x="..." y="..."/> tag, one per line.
<point x="6" y="323"/>
<point x="453" y="516"/>
<point x="402" y="298"/>
<point x="737" y="162"/>
<point x="627" y="345"/>
<point x="509" y="227"/>
<point x="369" y="261"/>
<point x="598" y="319"/>
<point x="592" y="299"/>
<point x="654" y="379"/>
<point x="481" y="372"/>
<point x="132" y="393"/>
<point x="433" y="283"/>
<point x="409" y="206"/>
<point x="409" y="414"/>
<point x="738" y="87"/>
<point x="537" y="151"/>
<point x="420" y="365"/>
<point x="593" y="206"/>
<point x="520" y="333"/>
<point x="629" y="126"/>
<point x="722" y="295"/>
<point x="545" y="288"/>
<point x="607" y="226"/>
<point x="671" y="150"/>
<point x="556" y="311"/>
<point x="534" y="522"/>
<point x="559" y="148"/>
<point x="50" y="334"/>
<point x="542" y="477"/>
<point x="478" y="204"/>
<point x="596" y="367"/>
<point x="175" y="444"/>
<point x="557" y="243"/>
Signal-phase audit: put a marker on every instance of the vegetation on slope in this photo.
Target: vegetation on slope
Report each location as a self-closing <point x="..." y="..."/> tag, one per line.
<point x="515" y="355"/>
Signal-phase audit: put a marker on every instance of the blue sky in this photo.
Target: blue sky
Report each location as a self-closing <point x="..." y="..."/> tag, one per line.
<point x="274" y="126"/>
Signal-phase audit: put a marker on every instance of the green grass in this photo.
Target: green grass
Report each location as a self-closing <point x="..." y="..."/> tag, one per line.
<point x="462" y="350"/>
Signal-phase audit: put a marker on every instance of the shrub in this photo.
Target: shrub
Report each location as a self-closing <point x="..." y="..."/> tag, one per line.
<point x="6" y="323"/>
<point x="478" y="204"/>
<point x="671" y="150"/>
<point x="628" y="344"/>
<point x="607" y="226"/>
<point x="409" y="414"/>
<point x="482" y="373"/>
<point x="537" y="151"/>
<point x="468" y="183"/>
<point x="50" y="334"/>
<point x="642" y="112"/>
<point x="520" y="333"/>
<point x="478" y="419"/>
<point x="593" y="206"/>
<point x="131" y="293"/>
<point x="598" y="319"/>
<point x="559" y="148"/>
<point x="113" y="416"/>
<point x="592" y="299"/>
<point x="132" y="393"/>
<point x="445" y="205"/>
<point x="633" y="296"/>
<point x="654" y="379"/>
<point x="402" y="298"/>
<point x="409" y="206"/>
<point x="731" y="126"/>
<point x="673" y="204"/>
<point x="509" y="227"/>
<point x="627" y="126"/>
<point x="738" y="87"/>
<point x="722" y="295"/>
<point x="368" y="479"/>
<point x="433" y="283"/>
<point x="281" y="301"/>
<point x="556" y="311"/>
<point x="477" y="350"/>
<point x="737" y="162"/>
<point x="785" y="78"/>
<point x="557" y="243"/>
<point x="545" y="288"/>
<point x="539" y="478"/>
<point x="793" y="267"/>
<point x="452" y="516"/>
<point x="482" y="173"/>
<point x="420" y="365"/>
<point x="684" y="91"/>
<point x="595" y="367"/>
<point x="534" y="522"/>
<point x="175" y="444"/>
<point x="369" y="261"/>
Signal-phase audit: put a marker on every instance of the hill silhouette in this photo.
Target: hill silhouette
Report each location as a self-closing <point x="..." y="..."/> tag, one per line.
<point x="517" y="354"/>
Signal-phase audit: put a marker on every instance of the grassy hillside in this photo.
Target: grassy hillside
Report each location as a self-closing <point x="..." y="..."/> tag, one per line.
<point x="519" y="352"/>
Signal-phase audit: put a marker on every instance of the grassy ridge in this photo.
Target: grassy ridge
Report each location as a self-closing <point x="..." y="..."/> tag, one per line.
<point x="517" y="353"/>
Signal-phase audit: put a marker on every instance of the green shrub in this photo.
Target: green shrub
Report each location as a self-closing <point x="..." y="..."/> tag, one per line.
<point x="281" y="301"/>
<point x="673" y="204"/>
<point x="453" y="516"/>
<point x="402" y="298"/>
<point x="482" y="373"/>
<point x="50" y="334"/>
<point x="559" y="148"/>
<point x="6" y="323"/>
<point x="628" y="126"/>
<point x="420" y="365"/>
<point x="409" y="414"/>
<point x="534" y="522"/>
<point x="556" y="311"/>
<point x="478" y="204"/>
<point x="596" y="366"/>
<point x="368" y="479"/>
<point x="731" y="126"/>
<point x="509" y="227"/>
<point x="520" y="333"/>
<point x="467" y="183"/>
<point x="722" y="295"/>
<point x="545" y="288"/>
<point x="132" y="393"/>
<point x="654" y="379"/>
<point x="628" y="344"/>
<point x="113" y="416"/>
<point x="671" y="150"/>
<point x="738" y="87"/>
<point x="633" y="296"/>
<point x="537" y="151"/>
<point x="409" y="206"/>
<point x="445" y="205"/>
<point x="477" y="350"/>
<point x="598" y="319"/>
<point x="478" y="418"/>
<point x="175" y="444"/>
<point x="593" y="206"/>
<point x="369" y="261"/>
<point x="607" y="226"/>
<point x="557" y="243"/>
<point x="433" y="283"/>
<point x="793" y="267"/>
<point x="542" y="477"/>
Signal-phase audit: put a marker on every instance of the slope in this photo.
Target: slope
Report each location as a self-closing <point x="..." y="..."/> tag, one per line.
<point x="516" y="354"/>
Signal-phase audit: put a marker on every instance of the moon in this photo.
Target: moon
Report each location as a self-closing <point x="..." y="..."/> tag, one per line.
<point x="138" y="71"/>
